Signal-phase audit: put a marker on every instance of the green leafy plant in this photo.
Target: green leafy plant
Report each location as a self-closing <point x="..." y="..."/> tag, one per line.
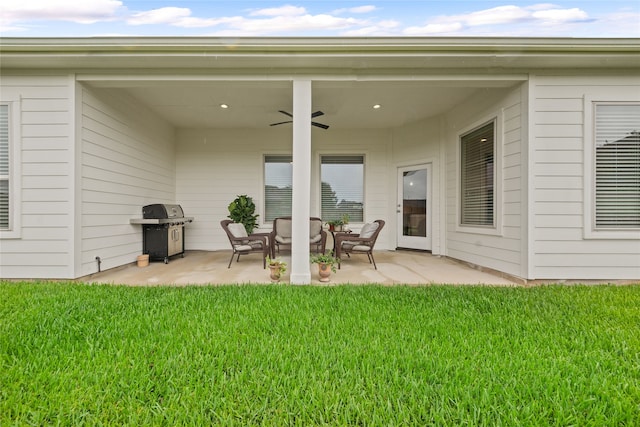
<point x="335" y="224"/>
<point x="345" y="219"/>
<point x="282" y="266"/>
<point x="327" y="259"/>
<point x="242" y="210"/>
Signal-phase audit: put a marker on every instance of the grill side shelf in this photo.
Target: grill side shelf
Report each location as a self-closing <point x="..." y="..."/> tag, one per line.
<point x="156" y="221"/>
<point x="144" y="221"/>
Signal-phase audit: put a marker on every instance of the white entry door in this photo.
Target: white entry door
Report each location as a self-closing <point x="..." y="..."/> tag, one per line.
<point x="414" y="207"/>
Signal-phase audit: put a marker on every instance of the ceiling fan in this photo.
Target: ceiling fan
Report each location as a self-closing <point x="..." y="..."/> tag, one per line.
<point x="313" y="116"/>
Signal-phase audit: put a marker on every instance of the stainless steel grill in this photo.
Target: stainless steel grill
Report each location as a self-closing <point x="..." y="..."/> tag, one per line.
<point x="162" y="231"/>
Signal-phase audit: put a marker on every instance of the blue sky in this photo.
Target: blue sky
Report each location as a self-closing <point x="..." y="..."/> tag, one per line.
<point x="369" y="18"/>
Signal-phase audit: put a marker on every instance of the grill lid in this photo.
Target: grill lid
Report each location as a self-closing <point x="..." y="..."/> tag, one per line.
<point x="162" y="211"/>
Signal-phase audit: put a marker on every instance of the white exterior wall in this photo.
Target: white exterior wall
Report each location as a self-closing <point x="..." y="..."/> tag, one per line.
<point x="127" y="161"/>
<point x="214" y="166"/>
<point x="564" y="246"/>
<point x="502" y="249"/>
<point x="43" y="244"/>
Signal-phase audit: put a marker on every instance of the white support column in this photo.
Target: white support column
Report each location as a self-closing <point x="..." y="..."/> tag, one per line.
<point x="301" y="198"/>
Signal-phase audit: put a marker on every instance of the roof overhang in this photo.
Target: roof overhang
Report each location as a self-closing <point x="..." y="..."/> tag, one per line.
<point x="184" y="80"/>
<point x="276" y="55"/>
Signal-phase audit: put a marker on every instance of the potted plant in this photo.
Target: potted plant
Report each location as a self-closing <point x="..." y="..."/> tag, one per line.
<point x="335" y="224"/>
<point x="345" y="221"/>
<point x="277" y="268"/>
<point x="242" y="210"/>
<point x="326" y="264"/>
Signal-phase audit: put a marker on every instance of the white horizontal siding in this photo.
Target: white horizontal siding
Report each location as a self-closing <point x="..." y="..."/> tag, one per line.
<point x="127" y="161"/>
<point x="44" y="248"/>
<point x="214" y="166"/>
<point x="560" y="250"/>
<point x="502" y="251"/>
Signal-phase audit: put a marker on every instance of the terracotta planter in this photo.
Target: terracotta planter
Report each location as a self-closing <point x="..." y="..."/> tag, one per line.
<point x="324" y="271"/>
<point x="143" y="260"/>
<point x="274" y="274"/>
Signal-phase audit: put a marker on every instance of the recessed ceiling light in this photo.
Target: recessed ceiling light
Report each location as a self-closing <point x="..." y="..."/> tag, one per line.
<point x="375" y="107"/>
<point x="225" y="106"/>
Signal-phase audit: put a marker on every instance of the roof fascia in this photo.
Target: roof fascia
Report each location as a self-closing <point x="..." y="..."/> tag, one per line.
<point x="317" y="53"/>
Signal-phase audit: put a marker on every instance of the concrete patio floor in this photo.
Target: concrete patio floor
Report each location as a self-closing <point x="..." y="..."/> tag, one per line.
<point x="210" y="267"/>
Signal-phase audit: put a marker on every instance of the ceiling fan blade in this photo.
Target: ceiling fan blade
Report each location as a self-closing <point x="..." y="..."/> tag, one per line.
<point x="320" y="125"/>
<point x="315" y="114"/>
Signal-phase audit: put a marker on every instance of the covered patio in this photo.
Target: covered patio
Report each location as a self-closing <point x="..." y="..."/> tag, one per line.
<point x="210" y="268"/>
<point x="472" y="149"/>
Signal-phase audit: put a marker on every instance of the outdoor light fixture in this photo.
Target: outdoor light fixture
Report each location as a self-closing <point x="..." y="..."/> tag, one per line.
<point x="224" y="106"/>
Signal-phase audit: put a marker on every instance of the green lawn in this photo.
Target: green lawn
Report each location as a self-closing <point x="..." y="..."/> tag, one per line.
<point x="73" y="354"/>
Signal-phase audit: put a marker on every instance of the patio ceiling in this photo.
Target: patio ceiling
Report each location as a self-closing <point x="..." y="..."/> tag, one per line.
<point x="184" y="80"/>
<point x="255" y="104"/>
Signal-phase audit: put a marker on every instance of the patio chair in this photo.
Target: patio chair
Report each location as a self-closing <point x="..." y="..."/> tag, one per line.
<point x="281" y="234"/>
<point x="363" y="242"/>
<point x="243" y="243"/>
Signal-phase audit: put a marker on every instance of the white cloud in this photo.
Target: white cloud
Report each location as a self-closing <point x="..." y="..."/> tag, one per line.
<point x="177" y="17"/>
<point x="357" y="9"/>
<point x="559" y="16"/>
<point x="165" y="15"/>
<point x="285" y="24"/>
<point x="538" y="14"/>
<point x="264" y="21"/>
<point x="286" y="10"/>
<point x="381" y="28"/>
<point x="496" y="15"/>
<point x="433" y="29"/>
<point x="83" y="12"/>
<point x="542" y="6"/>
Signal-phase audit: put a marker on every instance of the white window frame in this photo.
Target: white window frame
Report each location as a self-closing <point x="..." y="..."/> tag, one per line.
<point x="590" y="229"/>
<point x="263" y="208"/>
<point x="15" y="201"/>
<point x="495" y="230"/>
<point x="322" y="154"/>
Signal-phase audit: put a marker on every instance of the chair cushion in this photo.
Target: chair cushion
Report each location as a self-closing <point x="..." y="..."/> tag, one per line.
<point x="315" y="227"/>
<point x="237" y="230"/>
<point x="283" y="240"/>
<point x="283" y="227"/>
<point x="315" y="239"/>
<point x="243" y="248"/>
<point x="368" y="229"/>
<point x="255" y="244"/>
<point x="349" y="246"/>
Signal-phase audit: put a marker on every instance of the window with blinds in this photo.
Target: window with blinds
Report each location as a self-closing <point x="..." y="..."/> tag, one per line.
<point x="477" y="150"/>
<point x="342" y="187"/>
<point x="277" y="186"/>
<point x="617" y="177"/>
<point x="4" y="167"/>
